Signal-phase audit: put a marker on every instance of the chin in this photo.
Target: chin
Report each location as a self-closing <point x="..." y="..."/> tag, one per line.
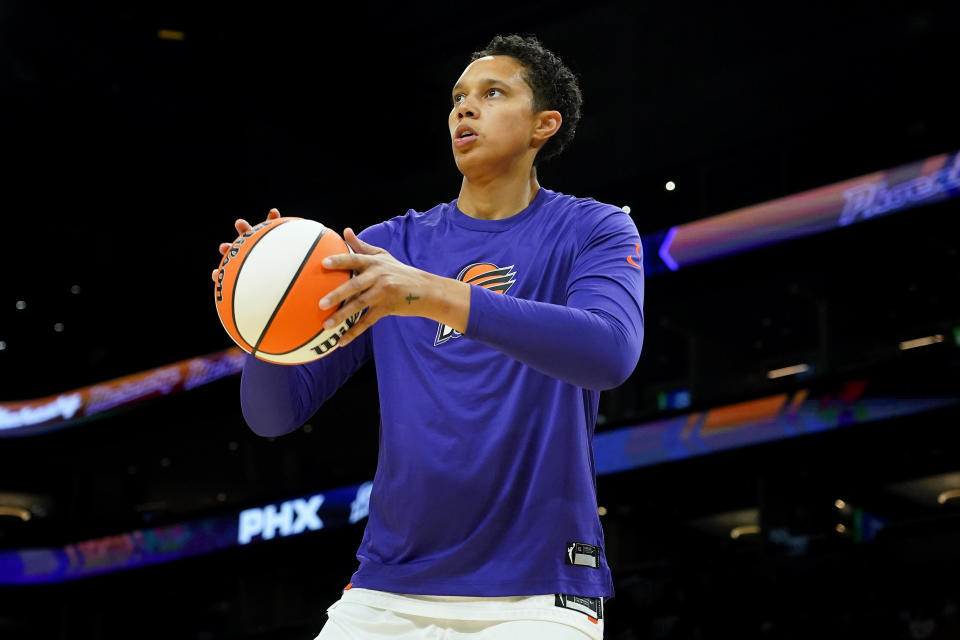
<point x="464" y="162"/>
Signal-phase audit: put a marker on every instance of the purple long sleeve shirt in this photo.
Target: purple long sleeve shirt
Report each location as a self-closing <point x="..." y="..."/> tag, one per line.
<point x="485" y="477"/>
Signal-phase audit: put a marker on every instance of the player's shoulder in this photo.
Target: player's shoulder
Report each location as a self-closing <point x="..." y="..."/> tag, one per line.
<point x="383" y="233"/>
<point x="588" y="213"/>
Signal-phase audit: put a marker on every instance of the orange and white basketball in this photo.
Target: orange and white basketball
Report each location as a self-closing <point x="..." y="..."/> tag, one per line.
<point x="269" y="287"/>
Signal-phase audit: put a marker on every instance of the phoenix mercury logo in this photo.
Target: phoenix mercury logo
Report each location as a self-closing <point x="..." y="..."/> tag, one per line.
<point x="482" y="274"/>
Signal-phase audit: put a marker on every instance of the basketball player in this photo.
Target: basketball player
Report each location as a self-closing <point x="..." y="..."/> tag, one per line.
<point x="495" y="320"/>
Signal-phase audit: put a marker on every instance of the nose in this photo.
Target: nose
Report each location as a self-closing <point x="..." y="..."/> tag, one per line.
<point x="466" y="109"/>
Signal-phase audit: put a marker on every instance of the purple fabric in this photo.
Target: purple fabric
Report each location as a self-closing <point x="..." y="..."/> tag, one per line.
<point x="277" y="399"/>
<point x="485" y="470"/>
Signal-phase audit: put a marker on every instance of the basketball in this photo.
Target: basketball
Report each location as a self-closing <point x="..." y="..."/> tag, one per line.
<point x="269" y="287"/>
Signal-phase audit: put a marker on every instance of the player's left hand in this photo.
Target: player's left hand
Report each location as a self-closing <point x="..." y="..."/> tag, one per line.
<point x="381" y="284"/>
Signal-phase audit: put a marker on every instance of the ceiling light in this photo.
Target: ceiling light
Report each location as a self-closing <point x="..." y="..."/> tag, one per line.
<point x="170" y="34"/>
<point x="788" y="371"/>
<point x="744" y="530"/>
<point x="946" y="496"/>
<point x="15" y="512"/>
<point x="920" y="342"/>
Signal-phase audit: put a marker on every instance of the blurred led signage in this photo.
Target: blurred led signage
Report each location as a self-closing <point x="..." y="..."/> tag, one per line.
<point x="144" y="547"/>
<point x="53" y="412"/>
<point x="290" y="518"/>
<point x="776" y="417"/>
<point x="672" y="400"/>
<point x="810" y="212"/>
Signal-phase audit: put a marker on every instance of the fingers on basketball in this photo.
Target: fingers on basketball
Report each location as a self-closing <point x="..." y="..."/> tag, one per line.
<point x="242" y="226"/>
<point x="364" y="323"/>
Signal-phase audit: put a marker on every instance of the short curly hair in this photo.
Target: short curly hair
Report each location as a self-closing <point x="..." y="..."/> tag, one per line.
<point x="554" y="86"/>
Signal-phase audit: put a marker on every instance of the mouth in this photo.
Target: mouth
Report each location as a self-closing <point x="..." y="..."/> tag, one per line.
<point x="464" y="136"/>
<point x="464" y="139"/>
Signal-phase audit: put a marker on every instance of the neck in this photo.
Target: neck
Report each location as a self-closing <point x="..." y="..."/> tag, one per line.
<point x="499" y="197"/>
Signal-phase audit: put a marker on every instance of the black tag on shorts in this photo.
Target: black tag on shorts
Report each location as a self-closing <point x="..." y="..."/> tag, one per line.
<point x="593" y="607"/>
<point x="581" y="554"/>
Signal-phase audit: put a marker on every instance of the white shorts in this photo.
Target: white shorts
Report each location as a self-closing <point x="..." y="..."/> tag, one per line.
<point x="366" y="614"/>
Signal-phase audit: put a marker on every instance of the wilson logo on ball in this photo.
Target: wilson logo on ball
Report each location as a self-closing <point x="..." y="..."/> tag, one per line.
<point x="269" y="287"/>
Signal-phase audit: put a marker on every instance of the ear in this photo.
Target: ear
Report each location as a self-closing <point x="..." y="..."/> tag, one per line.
<point x="545" y="125"/>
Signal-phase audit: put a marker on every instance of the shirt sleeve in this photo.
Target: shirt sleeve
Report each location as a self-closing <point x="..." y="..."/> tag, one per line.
<point x="276" y="398"/>
<point x="594" y="341"/>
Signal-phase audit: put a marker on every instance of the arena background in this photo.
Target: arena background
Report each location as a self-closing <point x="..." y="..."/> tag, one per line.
<point x="135" y="134"/>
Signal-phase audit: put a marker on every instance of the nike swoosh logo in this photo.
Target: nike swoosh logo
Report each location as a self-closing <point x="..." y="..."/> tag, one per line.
<point x="630" y="258"/>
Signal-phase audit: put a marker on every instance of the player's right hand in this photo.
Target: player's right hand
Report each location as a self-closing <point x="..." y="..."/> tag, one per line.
<point x="242" y="227"/>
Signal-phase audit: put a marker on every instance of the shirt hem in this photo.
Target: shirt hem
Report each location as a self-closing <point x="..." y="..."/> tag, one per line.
<point x="504" y="588"/>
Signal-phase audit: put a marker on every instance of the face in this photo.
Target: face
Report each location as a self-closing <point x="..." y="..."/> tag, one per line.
<point x="492" y="98"/>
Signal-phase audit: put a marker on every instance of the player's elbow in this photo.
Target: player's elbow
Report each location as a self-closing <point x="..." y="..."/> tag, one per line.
<point x="623" y="371"/>
<point x="267" y="424"/>
<point x="270" y="429"/>
<point x="268" y="406"/>
<point x="618" y="359"/>
<point x="613" y="372"/>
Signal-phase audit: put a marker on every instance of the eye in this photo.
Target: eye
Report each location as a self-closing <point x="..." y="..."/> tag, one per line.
<point x="493" y="89"/>
<point x="456" y="98"/>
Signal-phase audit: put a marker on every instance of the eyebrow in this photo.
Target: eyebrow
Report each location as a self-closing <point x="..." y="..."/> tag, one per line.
<point x="483" y="82"/>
